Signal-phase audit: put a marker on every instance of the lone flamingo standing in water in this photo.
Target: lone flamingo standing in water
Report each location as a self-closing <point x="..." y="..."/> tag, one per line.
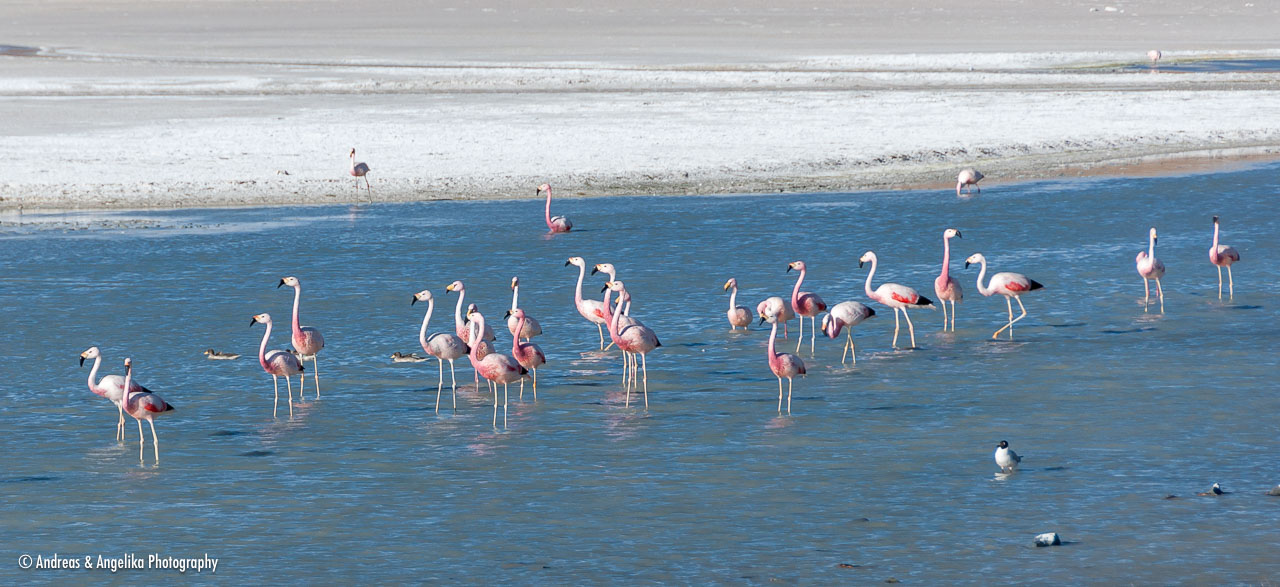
<point x="806" y="305"/>
<point x="896" y="296"/>
<point x="143" y="406"/>
<point x="782" y="364"/>
<point x="359" y="170"/>
<point x="529" y="355"/>
<point x="1149" y="267"/>
<point x="946" y="286"/>
<point x="970" y="178"/>
<point x="554" y="223"/>
<point x="531" y="326"/>
<point x="444" y="346"/>
<point x="1154" y="56"/>
<point x="1009" y="285"/>
<point x="846" y="315"/>
<point x="277" y="363"/>
<point x="636" y="338"/>
<point x="777" y="309"/>
<point x="110" y="387"/>
<point x="738" y="315"/>
<point x="1223" y="256"/>
<point x="495" y="367"/>
<point x="306" y="340"/>
<point x="592" y="310"/>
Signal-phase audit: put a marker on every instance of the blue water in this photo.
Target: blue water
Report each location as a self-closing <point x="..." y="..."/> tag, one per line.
<point x="1213" y="66"/>
<point x="886" y="467"/>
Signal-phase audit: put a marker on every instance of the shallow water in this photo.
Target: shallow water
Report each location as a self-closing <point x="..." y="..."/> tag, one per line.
<point x="886" y="466"/>
<point x="1213" y="66"/>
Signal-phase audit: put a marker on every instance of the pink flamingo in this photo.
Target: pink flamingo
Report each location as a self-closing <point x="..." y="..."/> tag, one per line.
<point x="592" y="310"/>
<point x="459" y="323"/>
<point x="359" y="170"/>
<point x="625" y="320"/>
<point x="110" y="387"/>
<point x="629" y="365"/>
<point x="896" y="296"/>
<point x="1154" y="56"/>
<point x="1149" y="267"/>
<point x="444" y="346"/>
<point x="782" y="364"/>
<point x="970" y="178"/>
<point x="1009" y="285"/>
<point x="946" y="286"/>
<point x="738" y="315"/>
<point x="529" y="355"/>
<point x="142" y="406"/>
<point x="1223" y="256"/>
<point x="774" y="306"/>
<point x="494" y="367"/>
<point x="531" y="326"/>
<point x="846" y="315"/>
<point x="806" y="305"/>
<point x="633" y="339"/>
<point x="554" y="223"/>
<point x="277" y="363"/>
<point x="306" y="340"/>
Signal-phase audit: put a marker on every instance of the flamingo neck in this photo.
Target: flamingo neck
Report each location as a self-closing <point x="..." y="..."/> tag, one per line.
<point x="548" y="209"/>
<point x="577" y="293"/>
<point x="262" y="348"/>
<point x="1215" y="236"/>
<point x="773" y="334"/>
<point x="457" y="310"/>
<point x="795" y="292"/>
<point x="870" y="274"/>
<point x="476" y="327"/>
<point x="515" y="340"/>
<point x="515" y="297"/>
<point x="617" y="311"/>
<point x="297" y="296"/>
<point x="946" y="259"/>
<point x="986" y="291"/>
<point x="733" y="298"/>
<point x="128" y="381"/>
<point x="1151" y="248"/>
<point x="94" y="373"/>
<point x="422" y="332"/>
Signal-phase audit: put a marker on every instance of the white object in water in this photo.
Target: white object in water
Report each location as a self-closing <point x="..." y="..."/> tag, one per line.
<point x="1048" y="539"/>
<point x="1006" y="458"/>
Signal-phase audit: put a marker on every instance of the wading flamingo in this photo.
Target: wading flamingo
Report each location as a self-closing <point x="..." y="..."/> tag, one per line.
<point x="554" y="223"/>
<point x="782" y="364"/>
<point x="628" y="362"/>
<point x="1009" y="285"/>
<point x="1223" y="256"/>
<point x="1154" y="56"/>
<point x="459" y="323"/>
<point x="359" y="170"/>
<point x="738" y="315"/>
<point x="774" y="307"/>
<point x="306" y="340"/>
<point x="625" y="320"/>
<point x="806" y="305"/>
<point x="846" y="315"/>
<point x="277" y="363"/>
<point x="637" y="338"/>
<point x="110" y="387"/>
<point x="1149" y="267"/>
<point x="896" y="296"/>
<point x="946" y="286"/>
<point x="592" y="310"/>
<point x="529" y="355"/>
<point x="143" y="406"/>
<point x="444" y="346"/>
<point x="495" y="367"/>
<point x="969" y="178"/>
<point x="531" y="326"/>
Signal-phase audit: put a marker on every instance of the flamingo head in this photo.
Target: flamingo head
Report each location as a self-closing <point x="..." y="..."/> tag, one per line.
<point x="515" y="282"/>
<point x="518" y="313"/>
<point x="797" y="265"/>
<point x="615" y="286"/>
<point x="768" y="311"/>
<point x="289" y="281"/>
<point x="830" y="326"/>
<point x="422" y="296"/>
<point x="867" y="257"/>
<point x="733" y="282"/>
<point x="950" y="232"/>
<point x="1152" y="233"/>
<point x="260" y="319"/>
<point x="455" y="286"/>
<point x="353" y="152"/>
<point x="472" y="309"/>
<point x="974" y="258"/>
<point x="1215" y="219"/>
<point x="474" y="315"/>
<point x="128" y="364"/>
<point x="91" y="353"/>
<point x="546" y="187"/>
<point x="606" y="268"/>
<point x="576" y="261"/>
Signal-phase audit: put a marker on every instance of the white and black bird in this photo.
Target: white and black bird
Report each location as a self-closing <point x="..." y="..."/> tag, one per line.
<point x="1006" y="459"/>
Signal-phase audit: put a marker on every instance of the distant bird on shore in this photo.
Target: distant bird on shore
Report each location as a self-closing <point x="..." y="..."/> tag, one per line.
<point x="896" y="296"/>
<point x="946" y="286"/>
<point x="220" y="356"/>
<point x="1223" y="256"/>
<point x="969" y="177"/>
<point x="399" y="357"/>
<point x="554" y="223"/>
<point x="806" y="304"/>
<point x="738" y="315"/>
<point x="1009" y="285"/>
<point x="359" y="170"/>
<point x="1154" y="56"/>
<point x="1006" y="459"/>
<point x="1149" y="267"/>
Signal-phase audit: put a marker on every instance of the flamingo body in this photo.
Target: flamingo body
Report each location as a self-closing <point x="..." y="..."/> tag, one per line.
<point x="739" y="316"/>
<point x="1149" y="267"/>
<point x="846" y="315"/>
<point x="1010" y="285"/>
<point x="1223" y="256"/>
<point x="945" y="286"/>
<point x="554" y="223"/>
<point x="143" y="406"/>
<point x="896" y="296"/>
<point x="969" y="178"/>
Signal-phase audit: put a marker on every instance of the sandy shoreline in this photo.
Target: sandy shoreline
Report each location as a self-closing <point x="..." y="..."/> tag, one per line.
<point x="104" y="112"/>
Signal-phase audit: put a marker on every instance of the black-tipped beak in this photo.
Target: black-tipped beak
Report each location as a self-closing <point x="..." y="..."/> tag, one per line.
<point x="788" y="269"/>
<point x="507" y="315"/>
<point x="252" y="321"/>
<point x="566" y="263"/>
<point x="281" y="283"/>
<point x="604" y="288"/>
<point x="81" y="361"/>
<point x="413" y="300"/>
<point x="966" y="264"/>
<point x="1215" y="218"/>
<point x="957" y="234"/>
<point x="594" y="270"/>
<point x="761" y="319"/>
<point x="859" y="264"/>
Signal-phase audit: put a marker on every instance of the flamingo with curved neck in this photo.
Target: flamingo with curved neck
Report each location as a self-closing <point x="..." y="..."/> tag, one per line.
<point x="738" y="315"/>
<point x="554" y="223"/>
<point x="1223" y="256"/>
<point x="896" y="296"/>
<point x="444" y="346"/>
<point x="1149" y="267"/>
<point x="277" y="363"/>
<point x="946" y="286"/>
<point x="306" y="340"/>
<point x="806" y="305"/>
<point x="531" y="327"/>
<point x="636" y="338"/>
<point x="528" y="354"/>
<point x="592" y="310"/>
<point x="782" y="364"/>
<point x="143" y="406"/>
<point x="110" y="387"/>
<point x="494" y="367"/>
<point x="1009" y="285"/>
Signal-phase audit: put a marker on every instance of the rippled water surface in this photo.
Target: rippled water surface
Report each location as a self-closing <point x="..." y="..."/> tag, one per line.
<point x="886" y="467"/>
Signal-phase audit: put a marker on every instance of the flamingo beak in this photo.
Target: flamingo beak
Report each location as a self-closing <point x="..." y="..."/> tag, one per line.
<point x="957" y="234"/>
<point x="566" y="263"/>
<point x="507" y="315"/>
<point x="281" y="283"/>
<point x="81" y="360"/>
<point x="966" y="264"/>
<point x="595" y="269"/>
<point x="762" y="318"/>
<point x="252" y="321"/>
<point x="413" y="300"/>
<point x="606" y="286"/>
<point x="726" y="286"/>
<point x="859" y="264"/>
<point x="788" y="269"/>
<point x="1215" y="219"/>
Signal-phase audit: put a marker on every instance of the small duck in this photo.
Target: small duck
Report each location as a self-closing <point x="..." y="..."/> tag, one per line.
<point x="399" y="357"/>
<point x="1215" y="490"/>
<point x="220" y="356"/>
<point x="1006" y="458"/>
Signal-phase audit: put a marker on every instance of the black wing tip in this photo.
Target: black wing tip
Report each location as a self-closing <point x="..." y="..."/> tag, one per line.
<point x="923" y="301"/>
<point x="168" y="407"/>
<point x="1036" y="285"/>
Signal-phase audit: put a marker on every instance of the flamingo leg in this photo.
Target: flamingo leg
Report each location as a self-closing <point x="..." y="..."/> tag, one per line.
<point x="910" y="327"/>
<point x="120" y="422"/>
<point x="627" y="403"/>
<point x="315" y="372"/>
<point x="849" y="337"/>
<point x="1010" y="323"/>
<point x="633" y="370"/>
<point x="1219" y="281"/>
<point x="789" y="395"/>
<point x="455" y="384"/>
<point x="140" y="439"/>
<point x="644" y="362"/>
<point x="535" y="384"/>
<point x="800" y="338"/>
<point x="944" y="315"/>
<point x="495" y="407"/>
<point x="779" y="393"/>
<point x="953" y="315"/>
<point x="785" y="333"/>
<point x="600" y="330"/>
<point x="302" y="381"/>
<point x="440" y="385"/>
<point x="276" y="382"/>
<point x="610" y="345"/>
<point x="1146" y="288"/>
<point x="845" y="352"/>
<point x="1231" y="283"/>
<point x="522" y="389"/>
<point x="289" y="382"/>
<point x="1160" y="292"/>
<point x="504" y="403"/>
<point x="155" y="443"/>
<point x="896" y="324"/>
<point x="813" y="332"/>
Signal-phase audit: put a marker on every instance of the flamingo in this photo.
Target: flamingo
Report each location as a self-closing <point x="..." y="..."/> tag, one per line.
<point x="1223" y="256"/>
<point x="359" y="170"/>
<point x="459" y="323"/>
<point x="738" y="315"/>
<point x="626" y="319"/>
<point x="531" y="327"/>
<point x="142" y="406"/>
<point x="1009" y="285"/>
<point x="590" y="309"/>
<point x="946" y="286"/>
<point x="1154" y="56"/>
<point x="444" y="346"/>
<point x="846" y="315"/>
<point x="628" y="360"/>
<point x="528" y="354"/>
<point x="774" y="306"/>
<point x="1149" y="267"/>
<point x="306" y="340"/>
<point x="806" y="305"/>
<point x="495" y="367"/>
<point x="554" y="223"/>
<point x="633" y="339"/>
<point x="110" y="386"/>
<point x="896" y="296"/>
<point x="277" y="363"/>
<point x="969" y="177"/>
<point x="782" y="364"/>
